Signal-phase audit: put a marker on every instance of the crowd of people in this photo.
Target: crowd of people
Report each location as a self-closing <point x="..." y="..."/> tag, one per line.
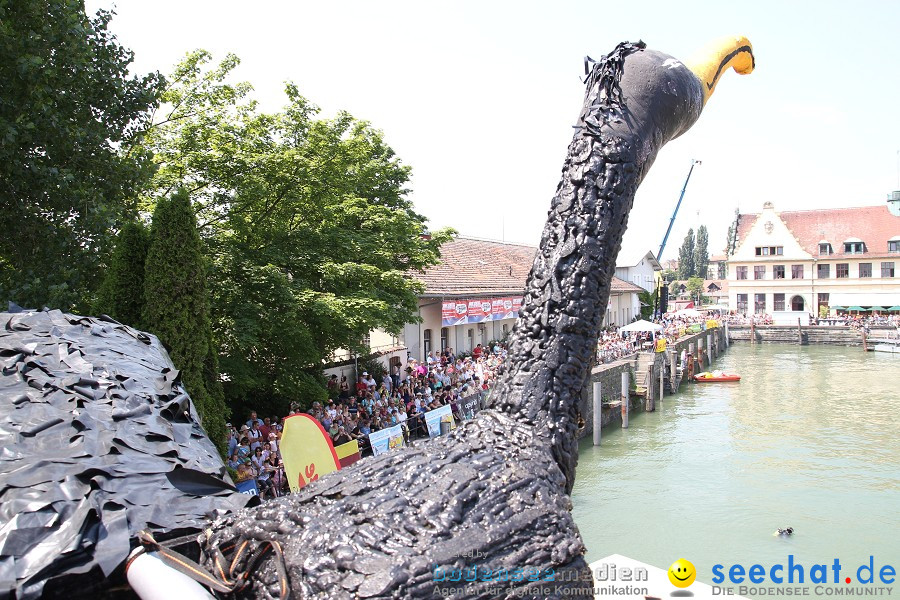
<point x="253" y="453"/>
<point x="401" y="397"/>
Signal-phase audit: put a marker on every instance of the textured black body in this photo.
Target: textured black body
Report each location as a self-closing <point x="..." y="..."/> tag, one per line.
<point x="98" y="441"/>
<point x="495" y="492"/>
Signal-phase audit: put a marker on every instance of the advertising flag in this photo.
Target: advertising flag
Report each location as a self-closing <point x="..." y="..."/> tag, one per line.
<point x="307" y="451"/>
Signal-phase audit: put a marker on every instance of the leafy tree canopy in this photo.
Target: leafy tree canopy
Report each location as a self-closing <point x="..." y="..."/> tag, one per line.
<point x="694" y="287"/>
<point x="69" y="116"/>
<point x="306" y="223"/>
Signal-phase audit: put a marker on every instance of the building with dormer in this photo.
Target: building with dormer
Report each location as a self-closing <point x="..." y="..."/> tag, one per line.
<point x="816" y="260"/>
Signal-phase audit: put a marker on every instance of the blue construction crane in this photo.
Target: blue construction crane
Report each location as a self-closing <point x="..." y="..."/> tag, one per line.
<point x="677" y="206"/>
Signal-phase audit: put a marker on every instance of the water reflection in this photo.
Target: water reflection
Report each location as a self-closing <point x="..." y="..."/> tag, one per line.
<point x="807" y="439"/>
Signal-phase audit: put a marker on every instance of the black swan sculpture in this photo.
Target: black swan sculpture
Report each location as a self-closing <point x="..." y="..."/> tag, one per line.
<point x="101" y="444"/>
<point x="487" y="507"/>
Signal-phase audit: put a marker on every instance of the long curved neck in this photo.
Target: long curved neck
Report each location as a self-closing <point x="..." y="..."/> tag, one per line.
<point x="567" y="291"/>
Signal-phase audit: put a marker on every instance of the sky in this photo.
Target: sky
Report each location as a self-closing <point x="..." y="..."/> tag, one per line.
<point x="479" y="98"/>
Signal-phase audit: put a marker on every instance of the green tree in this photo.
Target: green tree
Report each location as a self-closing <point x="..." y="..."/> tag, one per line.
<point x="122" y="292"/>
<point x="176" y="307"/>
<point x="695" y="289"/>
<point x="648" y="304"/>
<point x="686" y="257"/>
<point x="69" y="116"/>
<point x="701" y="253"/>
<point x="306" y="221"/>
<point x="732" y="233"/>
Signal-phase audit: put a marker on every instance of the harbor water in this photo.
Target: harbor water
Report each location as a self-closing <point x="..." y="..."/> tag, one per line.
<point x="808" y="439"/>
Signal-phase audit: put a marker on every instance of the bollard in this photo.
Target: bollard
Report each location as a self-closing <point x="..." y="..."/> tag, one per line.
<point x="662" y="382"/>
<point x="672" y="370"/>
<point x="598" y="412"/>
<point x="726" y="334"/>
<point x="699" y="355"/>
<point x="649" y="405"/>
<point x="626" y="399"/>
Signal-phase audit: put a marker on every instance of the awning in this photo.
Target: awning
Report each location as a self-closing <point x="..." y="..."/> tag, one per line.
<point x="864" y="299"/>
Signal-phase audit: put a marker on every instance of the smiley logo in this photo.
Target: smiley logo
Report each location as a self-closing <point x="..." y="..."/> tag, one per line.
<point x="682" y="573"/>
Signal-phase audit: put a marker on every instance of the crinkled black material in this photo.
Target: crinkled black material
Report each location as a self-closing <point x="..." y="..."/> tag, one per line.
<point x="98" y="440"/>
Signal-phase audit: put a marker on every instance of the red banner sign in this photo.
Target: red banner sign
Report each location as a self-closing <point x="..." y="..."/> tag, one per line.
<point x="454" y="312"/>
<point x="463" y="312"/>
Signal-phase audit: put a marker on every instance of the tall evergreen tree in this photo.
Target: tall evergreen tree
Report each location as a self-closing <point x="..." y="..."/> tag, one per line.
<point x="701" y="253"/>
<point x="176" y="307"/>
<point x="122" y="293"/>
<point x="686" y="257"/>
<point x="732" y="232"/>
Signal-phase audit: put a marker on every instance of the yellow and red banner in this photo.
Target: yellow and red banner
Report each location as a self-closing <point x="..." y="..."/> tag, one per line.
<point x="306" y="450"/>
<point x="347" y="453"/>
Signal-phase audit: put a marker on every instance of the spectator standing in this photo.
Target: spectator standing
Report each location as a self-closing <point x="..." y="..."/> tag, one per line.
<point x="253" y="418"/>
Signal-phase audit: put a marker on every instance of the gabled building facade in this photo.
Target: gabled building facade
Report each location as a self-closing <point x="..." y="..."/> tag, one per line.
<point x="639" y="270"/>
<point x="473" y="297"/>
<point x="812" y="261"/>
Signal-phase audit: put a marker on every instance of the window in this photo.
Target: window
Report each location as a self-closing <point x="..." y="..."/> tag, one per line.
<point x="426" y="342"/>
<point x="759" y="303"/>
<point x="367" y="340"/>
<point x="825" y="248"/>
<point x="769" y="250"/>
<point x="742" y="303"/>
<point x="823" y="301"/>
<point x="470" y="335"/>
<point x="894" y="246"/>
<point x="854" y="247"/>
<point x="740" y="272"/>
<point x="445" y="333"/>
<point x="797" y="303"/>
<point x="887" y="269"/>
<point x="778" y="272"/>
<point x="759" y="272"/>
<point x="842" y="271"/>
<point x="796" y="271"/>
<point x="824" y="271"/>
<point x="865" y="269"/>
<point x="778" y="302"/>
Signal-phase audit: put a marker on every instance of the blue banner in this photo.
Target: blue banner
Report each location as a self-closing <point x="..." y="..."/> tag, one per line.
<point x="247" y="487"/>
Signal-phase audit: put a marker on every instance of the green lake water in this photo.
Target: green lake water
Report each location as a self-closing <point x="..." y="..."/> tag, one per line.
<point x="809" y="438"/>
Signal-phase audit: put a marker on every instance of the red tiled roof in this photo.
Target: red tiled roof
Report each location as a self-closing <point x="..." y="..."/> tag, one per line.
<point x="874" y="225"/>
<point x="471" y="267"/>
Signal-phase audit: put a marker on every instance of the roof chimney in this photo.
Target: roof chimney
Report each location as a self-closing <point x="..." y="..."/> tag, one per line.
<point x="894" y="203"/>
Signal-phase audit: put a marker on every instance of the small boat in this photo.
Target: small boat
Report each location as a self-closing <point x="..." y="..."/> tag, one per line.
<point x="715" y="376"/>
<point x="889" y="345"/>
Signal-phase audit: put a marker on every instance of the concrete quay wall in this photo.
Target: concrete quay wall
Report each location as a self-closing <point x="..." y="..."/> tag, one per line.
<point x="610" y="377"/>
<point x="832" y="335"/>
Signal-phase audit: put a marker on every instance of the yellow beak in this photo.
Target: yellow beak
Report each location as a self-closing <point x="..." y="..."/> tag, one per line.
<point x="715" y="59"/>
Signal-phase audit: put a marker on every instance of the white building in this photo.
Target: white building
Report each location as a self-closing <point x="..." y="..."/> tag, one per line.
<point x="803" y="261"/>
<point x="639" y="269"/>
<point x="473" y="295"/>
